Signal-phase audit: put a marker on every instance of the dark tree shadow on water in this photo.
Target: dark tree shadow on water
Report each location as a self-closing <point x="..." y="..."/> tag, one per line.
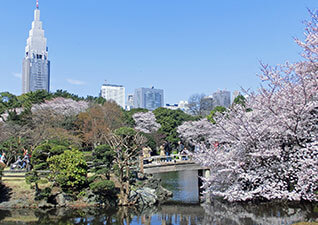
<point x="5" y="193"/>
<point x="4" y="214"/>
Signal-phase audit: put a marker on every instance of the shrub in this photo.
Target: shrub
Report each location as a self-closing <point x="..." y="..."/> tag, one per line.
<point x="103" y="157"/>
<point x="42" y="152"/>
<point x="68" y="170"/>
<point x="102" y="186"/>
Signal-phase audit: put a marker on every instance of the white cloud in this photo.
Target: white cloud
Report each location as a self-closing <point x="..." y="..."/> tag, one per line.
<point x="17" y="75"/>
<point x="75" y="82"/>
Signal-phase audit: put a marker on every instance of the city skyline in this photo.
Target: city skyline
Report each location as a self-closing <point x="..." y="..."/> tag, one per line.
<point x="181" y="47"/>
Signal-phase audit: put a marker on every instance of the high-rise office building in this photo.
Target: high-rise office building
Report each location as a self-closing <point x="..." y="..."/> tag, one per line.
<point x="148" y="98"/>
<point x="207" y="104"/>
<point x="222" y="98"/>
<point x="36" y="66"/>
<point x="130" y="102"/>
<point x="114" y="92"/>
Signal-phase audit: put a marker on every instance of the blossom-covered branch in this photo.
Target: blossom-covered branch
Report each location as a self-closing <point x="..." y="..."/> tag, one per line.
<point x="268" y="147"/>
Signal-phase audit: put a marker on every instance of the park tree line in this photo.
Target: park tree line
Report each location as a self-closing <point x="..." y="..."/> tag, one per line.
<point x="63" y="132"/>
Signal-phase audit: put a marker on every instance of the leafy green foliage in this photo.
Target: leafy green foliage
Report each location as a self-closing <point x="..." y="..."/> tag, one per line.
<point x="105" y="189"/>
<point x="32" y="177"/>
<point x="8" y="101"/>
<point x="42" y="152"/>
<point x="217" y="109"/>
<point x="240" y="99"/>
<point x="96" y="100"/>
<point x="43" y="194"/>
<point x="65" y="94"/>
<point x="68" y="170"/>
<point x="103" y="157"/>
<point x="69" y="123"/>
<point x="8" y="104"/>
<point x="125" y="132"/>
<point x="28" y="99"/>
<point x="102" y="186"/>
<point x="169" y="121"/>
<point x="151" y="142"/>
<point x="12" y="147"/>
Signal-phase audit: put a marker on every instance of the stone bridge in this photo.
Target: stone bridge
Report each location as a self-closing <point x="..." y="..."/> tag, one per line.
<point x="172" y="163"/>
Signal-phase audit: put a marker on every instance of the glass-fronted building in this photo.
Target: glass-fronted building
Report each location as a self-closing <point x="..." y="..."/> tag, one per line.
<point x="148" y="98"/>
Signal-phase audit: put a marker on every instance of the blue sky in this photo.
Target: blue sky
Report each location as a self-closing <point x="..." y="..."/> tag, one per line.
<point x="181" y="46"/>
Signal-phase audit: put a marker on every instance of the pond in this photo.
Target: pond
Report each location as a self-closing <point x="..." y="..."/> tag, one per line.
<point x="168" y="214"/>
<point x="184" y="209"/>
<point x="184" y="185"/>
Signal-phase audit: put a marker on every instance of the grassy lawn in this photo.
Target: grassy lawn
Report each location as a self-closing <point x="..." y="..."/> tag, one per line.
<point x="18" y="189"/>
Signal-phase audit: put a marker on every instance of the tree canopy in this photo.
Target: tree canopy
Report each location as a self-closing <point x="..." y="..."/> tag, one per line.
<point x="169" y="120"/>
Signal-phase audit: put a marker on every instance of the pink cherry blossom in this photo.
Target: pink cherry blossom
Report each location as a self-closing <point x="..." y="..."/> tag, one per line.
<point x="269" y="147"/>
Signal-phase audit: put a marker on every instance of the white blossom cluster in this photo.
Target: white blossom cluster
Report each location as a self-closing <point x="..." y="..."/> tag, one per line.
<point x="146" y="122"/>
<point x="63" y="106"/>
<point x="268" y="149"/>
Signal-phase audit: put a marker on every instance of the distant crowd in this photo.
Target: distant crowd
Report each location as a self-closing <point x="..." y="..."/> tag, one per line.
<point x="23" y="163"/>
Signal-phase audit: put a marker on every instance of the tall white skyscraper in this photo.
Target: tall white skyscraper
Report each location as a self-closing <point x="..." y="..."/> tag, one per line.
<point x="114" y="92"/>
<point x="36" y="66"/>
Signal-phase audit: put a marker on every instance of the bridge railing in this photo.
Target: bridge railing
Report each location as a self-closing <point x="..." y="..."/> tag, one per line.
<point x="157" y="160"/>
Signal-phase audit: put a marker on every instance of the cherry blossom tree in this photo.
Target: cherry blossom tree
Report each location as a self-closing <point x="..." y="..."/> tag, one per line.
<point x="64" y="106"/>
<point x="271" y="150"/>
<point x="146" y="122"/>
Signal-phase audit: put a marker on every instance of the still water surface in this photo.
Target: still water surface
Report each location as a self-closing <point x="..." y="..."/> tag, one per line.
<point x="184" y="185"/>
<point x="183" y="210"/>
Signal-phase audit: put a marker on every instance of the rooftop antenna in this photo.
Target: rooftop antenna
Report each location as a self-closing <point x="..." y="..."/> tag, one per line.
<point x="37" y="4"/>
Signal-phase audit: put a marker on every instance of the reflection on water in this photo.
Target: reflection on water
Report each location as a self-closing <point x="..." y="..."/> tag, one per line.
<point x="265" y="213"/>
<point x="215" y="214"/>
<point x="184" y="185"/>
<point x="184" y="210"/>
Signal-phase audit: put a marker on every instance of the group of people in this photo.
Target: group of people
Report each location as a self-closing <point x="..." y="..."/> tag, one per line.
<point x="21" y="163"/>
<point x="165" y="149"/>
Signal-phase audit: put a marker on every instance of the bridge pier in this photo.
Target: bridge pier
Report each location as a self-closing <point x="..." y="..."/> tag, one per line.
<point x="203" y="173"/>
<point x="175" y="163"/>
